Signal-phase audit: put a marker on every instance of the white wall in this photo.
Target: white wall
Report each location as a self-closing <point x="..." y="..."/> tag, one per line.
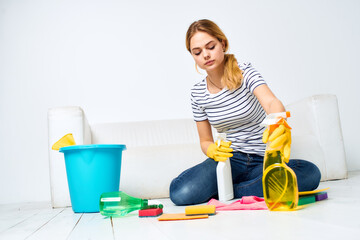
<point x="126" y="61"/>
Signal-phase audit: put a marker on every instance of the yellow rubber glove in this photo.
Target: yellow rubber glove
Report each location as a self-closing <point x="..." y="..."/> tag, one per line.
<point x="280" y="137"/>
<point x="219" y="152"/>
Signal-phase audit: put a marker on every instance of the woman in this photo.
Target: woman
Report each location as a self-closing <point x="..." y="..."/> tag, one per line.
<point x="234" y="99"/>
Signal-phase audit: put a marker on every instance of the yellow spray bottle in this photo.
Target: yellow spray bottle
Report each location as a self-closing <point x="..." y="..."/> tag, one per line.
<point x="279" y="181"/>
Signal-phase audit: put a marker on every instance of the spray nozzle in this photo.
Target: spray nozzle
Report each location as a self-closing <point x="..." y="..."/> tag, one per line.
<point x="273" y="118"/>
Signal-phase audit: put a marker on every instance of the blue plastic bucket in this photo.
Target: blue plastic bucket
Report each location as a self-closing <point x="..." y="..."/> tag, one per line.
<point x="92" y="170"/>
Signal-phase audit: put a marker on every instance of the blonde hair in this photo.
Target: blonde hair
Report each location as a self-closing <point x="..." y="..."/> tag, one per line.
<point x="232" y="77"/>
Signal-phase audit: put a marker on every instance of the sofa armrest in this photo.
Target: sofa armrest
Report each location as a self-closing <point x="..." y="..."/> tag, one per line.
<point x="317" y="135"/>
<point x="63" y="120"/>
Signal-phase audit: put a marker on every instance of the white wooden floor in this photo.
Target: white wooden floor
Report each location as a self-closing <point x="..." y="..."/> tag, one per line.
<point x="337" y="217"/>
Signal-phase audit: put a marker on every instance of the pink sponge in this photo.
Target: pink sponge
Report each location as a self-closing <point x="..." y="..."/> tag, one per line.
<point x="152" y="212"/>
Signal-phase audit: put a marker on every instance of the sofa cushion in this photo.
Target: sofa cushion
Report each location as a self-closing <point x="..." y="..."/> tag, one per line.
<point x="317" y="135"/>
<point x="147" y="172"/>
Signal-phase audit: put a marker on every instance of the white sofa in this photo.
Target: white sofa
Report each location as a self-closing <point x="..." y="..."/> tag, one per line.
<point x="157" y="151"/>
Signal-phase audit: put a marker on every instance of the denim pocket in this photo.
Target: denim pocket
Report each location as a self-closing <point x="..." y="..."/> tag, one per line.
<point x="249" y="159"/>
<point x="255" y="159"/>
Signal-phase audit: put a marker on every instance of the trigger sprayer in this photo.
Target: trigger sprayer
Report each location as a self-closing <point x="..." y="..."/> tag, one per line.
<point x="273" y="118"/>
<point x="279" y="181"/>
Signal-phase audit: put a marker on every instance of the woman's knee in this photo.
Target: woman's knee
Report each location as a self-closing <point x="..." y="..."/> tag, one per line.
<point x="180" y="194"/>
<point x="308" y="175"/>
<point x="315" y="175"/>
<point x="194" y="185"/>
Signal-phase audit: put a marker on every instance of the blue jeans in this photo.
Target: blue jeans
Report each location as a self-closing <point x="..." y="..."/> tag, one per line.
<point x="198" y="184"/>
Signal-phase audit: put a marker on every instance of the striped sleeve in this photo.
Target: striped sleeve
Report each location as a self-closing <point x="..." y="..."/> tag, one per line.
<point x="198" y="112"/>
<point x="252" y="78"/>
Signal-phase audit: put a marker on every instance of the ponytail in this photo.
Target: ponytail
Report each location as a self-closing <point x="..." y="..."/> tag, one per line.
<point x="232" y="77"/>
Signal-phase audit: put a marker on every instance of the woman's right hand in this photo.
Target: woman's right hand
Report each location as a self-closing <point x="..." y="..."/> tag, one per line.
<point x="280" y="137"/>
<point x="219" y="152"/>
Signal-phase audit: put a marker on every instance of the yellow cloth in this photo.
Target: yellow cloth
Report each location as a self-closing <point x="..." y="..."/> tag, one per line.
<point x="67" y="140"/>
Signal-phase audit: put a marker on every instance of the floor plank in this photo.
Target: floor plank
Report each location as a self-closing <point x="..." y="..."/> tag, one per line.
<point x="92" y="226"/>
<point x="13" y="214"/>
<point x="59" y="227"/>
<point x="34" y="221"/>
<point x="133" y="227"/>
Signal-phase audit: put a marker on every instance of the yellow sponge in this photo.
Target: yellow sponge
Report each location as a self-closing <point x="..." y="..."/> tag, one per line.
<point x="198" y="210"/>
<point x="313" y="192"/>
<point x="179" y="216"/>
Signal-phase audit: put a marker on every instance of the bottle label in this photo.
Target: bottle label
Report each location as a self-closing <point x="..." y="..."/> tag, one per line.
<point x="111" y="199"/>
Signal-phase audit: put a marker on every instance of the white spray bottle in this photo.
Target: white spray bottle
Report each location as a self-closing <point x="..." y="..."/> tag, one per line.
<point x="224" y="176"/>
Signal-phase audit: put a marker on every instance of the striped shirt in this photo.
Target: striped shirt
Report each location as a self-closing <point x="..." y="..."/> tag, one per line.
<point x="237" y="113"/>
